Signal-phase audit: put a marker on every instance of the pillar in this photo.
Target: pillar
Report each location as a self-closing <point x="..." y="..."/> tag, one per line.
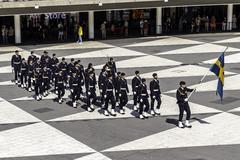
<point x="17" y="28"/>
<point x="91" y="24"/>
<point x="159" y="20"/>
<point x="229" y="16"/>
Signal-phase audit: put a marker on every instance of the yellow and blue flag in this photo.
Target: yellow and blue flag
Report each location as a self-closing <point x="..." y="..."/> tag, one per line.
<point x="218" y="69"/>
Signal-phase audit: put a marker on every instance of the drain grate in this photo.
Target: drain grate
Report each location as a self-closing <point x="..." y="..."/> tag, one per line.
<point x="43" y="110"/>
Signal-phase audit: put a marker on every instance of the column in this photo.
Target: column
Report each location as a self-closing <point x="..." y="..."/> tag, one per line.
<point x="17" y="28"/>
<point x="229" y="16"/>
<point x="91" y="24"/>
<point x="159" y="20"/>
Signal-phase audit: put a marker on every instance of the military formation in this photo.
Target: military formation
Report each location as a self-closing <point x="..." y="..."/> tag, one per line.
<point x="49" y="74"/>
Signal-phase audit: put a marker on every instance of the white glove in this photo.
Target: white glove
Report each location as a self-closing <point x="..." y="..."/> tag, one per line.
<point x="89" y="93"/>
<point x="100" y="90"/>
<point x="105" y="96"/>
<point x="154" y="97"/>
<point x="71" y="90"/>
<point x="120" y="95"/>
<point x="141" y="100"/>
<point x="186" y="99"/>
<point x="134" y="93"/>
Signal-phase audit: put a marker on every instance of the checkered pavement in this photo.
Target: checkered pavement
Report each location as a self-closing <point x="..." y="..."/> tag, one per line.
<point x="48" y="130"/>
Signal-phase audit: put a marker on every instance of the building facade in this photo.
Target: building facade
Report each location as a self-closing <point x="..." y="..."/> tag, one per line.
<point x="42" y="20"/>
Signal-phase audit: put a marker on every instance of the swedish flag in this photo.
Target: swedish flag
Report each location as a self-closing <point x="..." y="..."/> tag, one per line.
<point x="218" y="69"/>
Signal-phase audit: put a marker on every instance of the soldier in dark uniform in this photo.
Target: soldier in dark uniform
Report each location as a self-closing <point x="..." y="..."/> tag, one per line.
<point x="109" y="95"/>
<point x="136" y="82"/>
<point x="60" y="86"/>
<point x="155" y="94"/>
<point x="32" y="58"/>
<point x="46" y="81"/>
<point x="70" y="67"/>
<point x="63" y="67"/>
<point x="101" y="80"/>
<point x="30" y="76"/>
<point x="182" y="101"/>
<point x="54" y="69"/>
<point x="54" y="60"/>
<point x="123" y="93"/>
<point x="112" y="66"/>
<point x="74" y="88"/>
<point x="44" y="57"/>
<point x="143" y="96"/>
<point x="16" y="65"/>
<point x="79" y="69"/>
<point x="24" y="73"/>
<point x="38" y="84"/>
<point x="91" y="91"/>
<point x="117" y="87"/>
<point x="37" y="65"/>
<point x="90" y="69"/>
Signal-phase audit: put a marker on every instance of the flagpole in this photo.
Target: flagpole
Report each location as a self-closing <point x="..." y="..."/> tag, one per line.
<point x="203" y="78"/>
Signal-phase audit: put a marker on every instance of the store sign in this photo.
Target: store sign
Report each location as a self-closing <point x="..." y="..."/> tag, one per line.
<point x="55" y="16"/>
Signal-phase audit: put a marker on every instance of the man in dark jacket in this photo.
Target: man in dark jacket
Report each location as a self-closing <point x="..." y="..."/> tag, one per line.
<point x="155" y="94"/>
<point x="182" y="101"/>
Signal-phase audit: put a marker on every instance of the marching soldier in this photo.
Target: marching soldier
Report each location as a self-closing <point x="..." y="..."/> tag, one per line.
<point x="79" y="69"/>
<point x="117" y="87"/>
<point x="182" y="101"/>
<point x="38" y="84"/>
<point x="90" y="69"/>
<point x="37" y="65"/>
<point x="16" y="65"/>
<point x="74" y="88"/>
<point x="109" y="96"/>
<point x="143" y="96"/>
<point x="54" y="68"/>
<point x="136" y="82"/>
<point x="112" y="66"/>
<point x="60" y="86"/>
<point x="44" y="57"/>
<point x="54" y="60"/>
<point x="123" y="93"/>
<point x="30" y="76"/>
<point x="63" y="67"/>
<point x="155" y="94"/>
<point x="70" y="67"/>
<point x="46" y="81"/>
<point x="101" y="80"/>
<point x="91" y="91"/>
<point x="32" y="58"/>
<point x="24" y="73"/>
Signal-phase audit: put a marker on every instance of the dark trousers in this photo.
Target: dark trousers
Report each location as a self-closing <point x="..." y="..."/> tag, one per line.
<point x="145" y="103"/>
<point x="38" y="88"/>
<point x="23" y="77"/>
<point x="135" y="99"/>
<point x="17" y="70"/>
<point x="184" y="107"/>
<point x="123" y="99"/>
<point x="92" y="96"/>
<point x="46" y="84"/>
<point x="110" y="97"/>
<point x="61" y="91"/>
<point x="102" y="97"/>
<point x="30" y="76"/>
<point x="158" y="99"/>
<point x="117" y="95"/>
<point x="75" y="94"/>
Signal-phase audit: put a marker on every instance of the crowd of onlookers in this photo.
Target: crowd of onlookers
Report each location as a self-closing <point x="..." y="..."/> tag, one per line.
<point x="200" y="24"/>
<point x="7" y="34"/>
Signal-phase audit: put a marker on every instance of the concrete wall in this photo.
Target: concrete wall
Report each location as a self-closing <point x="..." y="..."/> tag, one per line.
<point x="11" y="8"/>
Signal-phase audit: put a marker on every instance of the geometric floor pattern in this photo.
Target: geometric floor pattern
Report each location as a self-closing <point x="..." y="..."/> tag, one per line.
<point x="46" y="130"/>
